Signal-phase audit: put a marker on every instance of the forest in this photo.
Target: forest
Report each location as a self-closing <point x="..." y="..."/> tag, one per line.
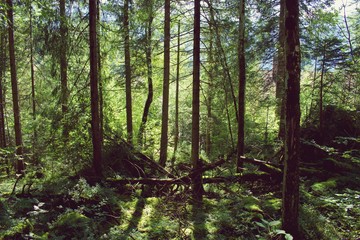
<point x="174" y="119"/>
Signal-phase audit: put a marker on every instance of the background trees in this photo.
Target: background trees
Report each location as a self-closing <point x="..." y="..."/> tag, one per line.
<point x="152" y="56"/>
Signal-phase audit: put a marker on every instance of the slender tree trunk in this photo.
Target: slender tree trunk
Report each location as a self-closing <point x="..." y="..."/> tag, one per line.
<point x="290" y="205"/>
<point x="2" y="78"/>
<point x="281" y="71"/>
<point x="14" y="86"/>
<point x="348" y="36"/>
<point x="63" y="69"/>
<point x="149" y="73"/>
<point x="209" y="94"/>
<point x="129" y="125"/>
<point x="101" y="88"/>
<point x="177" y="85"/>
<point x="242" y="84"/>
<point x="95" y="120"/>
<point x="197" y="179"/>
<point x="165" y="104"/>
<point x="321" y="95"/>
<point x="32" y="81"/>
<point x="223" y="60"/>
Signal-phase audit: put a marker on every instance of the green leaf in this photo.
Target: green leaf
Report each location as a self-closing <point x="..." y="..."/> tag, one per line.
<point x="260" y="224"/>
<point x="274" y="223"/>
<point x="288" y="237"/>
<point x="280" y="232"/>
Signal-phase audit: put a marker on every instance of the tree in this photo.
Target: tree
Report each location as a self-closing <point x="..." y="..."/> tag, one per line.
<point x="290" y="205"/>
<point x="2" y="78"/>
<point x="280" y="72"/>
<point x="197" y="179"/>
<point x="63" y="68"/>
<point x="129" y="126"/>
<point x="242" y="84"/>
<point x="95" y="119"/>
<point x="149" y="6"/>
<point x="14" y="87"/>
<point x="177" y="85"/>
<point x="166" y="82"/>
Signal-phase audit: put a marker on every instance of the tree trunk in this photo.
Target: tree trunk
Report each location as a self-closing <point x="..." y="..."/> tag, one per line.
<point x="95" y="120"/>
<point x="129" y="126"/>
<point x="242" y="84"/>
<point x="14" y="86"/>
<point x="290" y="205"/>
<point x="33" y="100"/>
<point x="321" y="94"/>
<point x="176" y="138"/>
<point x="281" y="74"/>
<point x="165" y="104"/>
<point x="101" y="88"/>
<point x="197" y="178"/>
<point x="63" y="69"/>
<point x="2" y="78"/>
<point x="149" y="73"/>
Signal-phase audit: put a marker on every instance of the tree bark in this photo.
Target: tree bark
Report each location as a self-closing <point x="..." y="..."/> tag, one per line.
<point x="63" y="69"/>
<point x="281" y="74"/>
<point x="14" y="86"/>
<point x="242" y="84"/>
<point x="148" y="53"/>
<point x="101" y="84"/>
<point x="129" y="126"/>
<point x="33" y="100"/>
<point x="290" y="205"/>
<point x="95" y="120"/>
<point x="321" y="94"/>
<point x="165" y="104"/>
<point x="2" y="78"/>
<point x="197" y="178"/>
<point x="176" y="138"/>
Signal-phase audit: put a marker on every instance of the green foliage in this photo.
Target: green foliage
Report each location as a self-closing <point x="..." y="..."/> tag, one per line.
<point x="271" y="230"/>
<point x="72" y="225"/>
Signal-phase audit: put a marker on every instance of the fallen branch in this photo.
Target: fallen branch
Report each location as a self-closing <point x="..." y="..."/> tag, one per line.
<point x="264" y="166"/>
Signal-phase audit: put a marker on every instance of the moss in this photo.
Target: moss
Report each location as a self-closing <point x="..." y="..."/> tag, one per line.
<point x="322" y="187"/>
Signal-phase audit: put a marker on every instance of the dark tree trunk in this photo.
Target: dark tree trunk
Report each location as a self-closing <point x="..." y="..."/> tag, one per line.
<point x="14" y="86"/>
<point x="290" y="207"/>
<point x="321" y="94"/>
<point x="129" y="126"/>
<point x="165" y="104"/>
<point x="63" y="69"/>
<point x="2" y="78"/>
<point x="197" y="178"/>
<point x="177" y="85"/>
<point x="280" y="73"/>
<point x="95" y="120"/>
<point x="242" y="84"/>
<point x="149" y="98"/>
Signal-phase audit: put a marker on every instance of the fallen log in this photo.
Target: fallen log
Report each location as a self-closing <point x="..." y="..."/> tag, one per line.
<point x="186" y="181"/>
<point x="263" y="166"/>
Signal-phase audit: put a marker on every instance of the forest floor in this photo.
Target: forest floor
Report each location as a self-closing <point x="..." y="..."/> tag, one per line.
<point x="58" y="207"/>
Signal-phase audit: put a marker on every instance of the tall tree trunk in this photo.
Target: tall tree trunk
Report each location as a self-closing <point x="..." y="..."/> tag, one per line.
<point x="95" y="120"/>
<point x="321" y="94"/>
<point x="290" y="205"/>
<point x="281" y="74"/>
<point x="14" y="86"/>
<point x="33" y="100"/>
<point x="149" y="98"/>
<point x="129" y="126"/>
<point x="242" y="84"/>
<point x="2" y="78"/>
<point x="101" y="88"/>
<point x="211" y="74"/>
<point x="165" y="104"/>
<point x="197" y="179"/>
<point x="63" y="69"/>
<point x="177" y="85"/>
<point x="223" y="60"/>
